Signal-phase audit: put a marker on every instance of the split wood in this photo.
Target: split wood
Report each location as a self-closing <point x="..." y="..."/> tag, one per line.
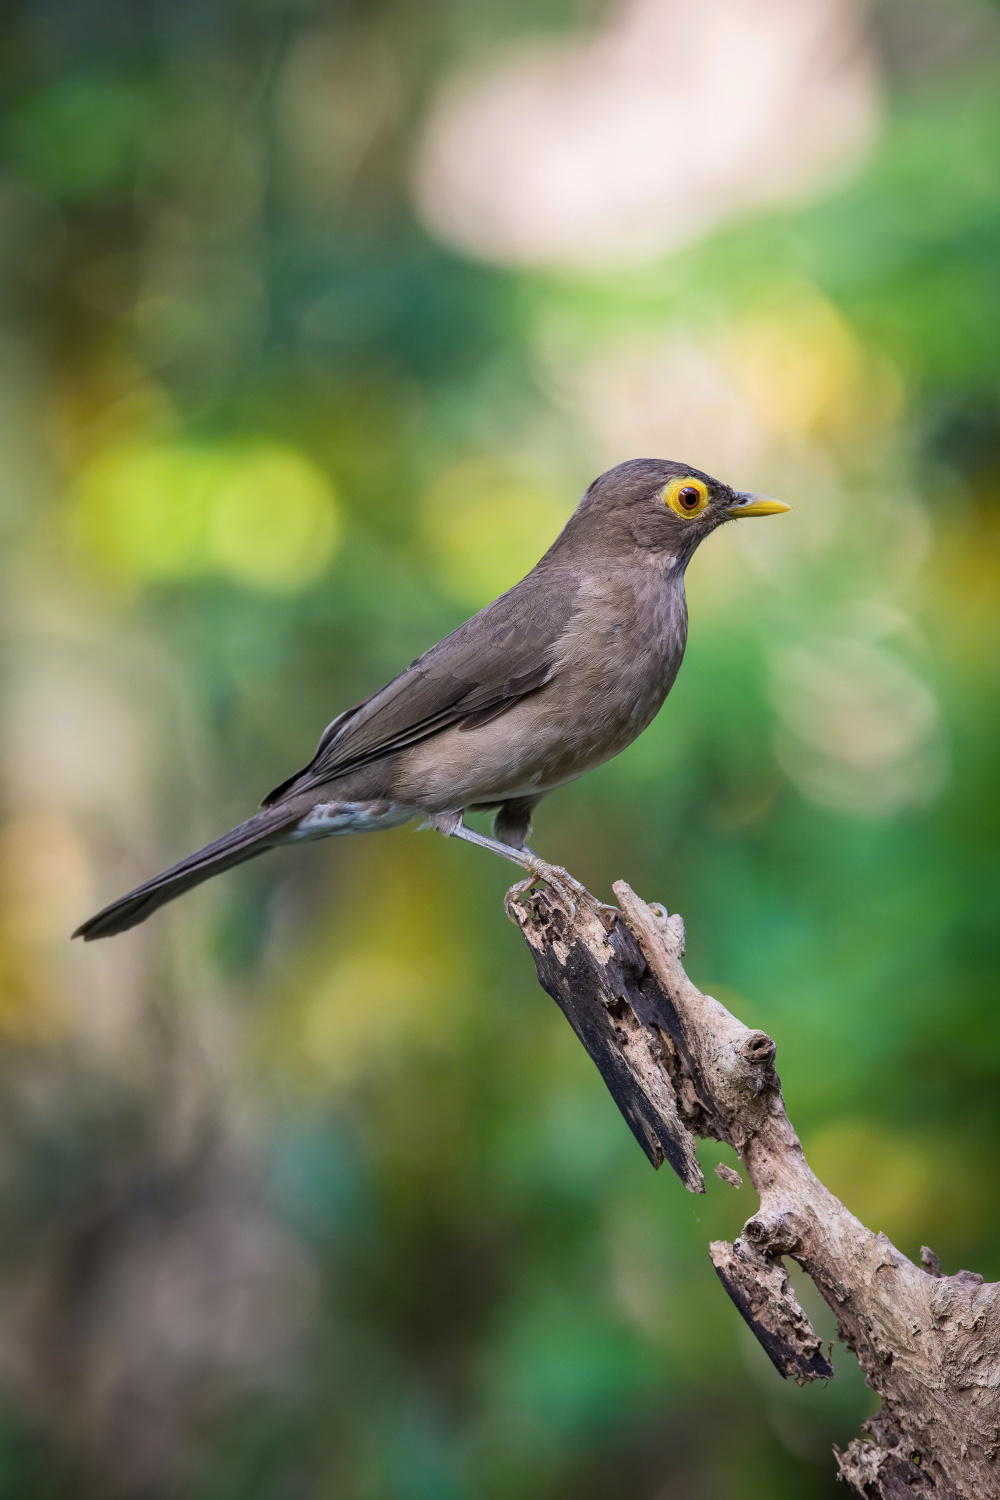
<point x="678" y="1065"/>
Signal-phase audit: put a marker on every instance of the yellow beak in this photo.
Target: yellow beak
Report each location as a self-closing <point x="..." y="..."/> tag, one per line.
<point x="756" y="505"/>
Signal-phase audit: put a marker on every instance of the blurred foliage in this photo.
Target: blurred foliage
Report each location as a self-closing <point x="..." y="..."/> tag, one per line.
<point x="307" y="1189"/>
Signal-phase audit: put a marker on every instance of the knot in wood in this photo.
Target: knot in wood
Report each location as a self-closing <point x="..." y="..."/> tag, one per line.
<point x="753" y="1063"/>
<point x="772" y="1234"/>
<point x="758" y="1048"/>
<point x="756" y="1231"/>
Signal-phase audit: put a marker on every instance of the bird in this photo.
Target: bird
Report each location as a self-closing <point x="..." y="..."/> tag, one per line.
<point x="556" y="676"/>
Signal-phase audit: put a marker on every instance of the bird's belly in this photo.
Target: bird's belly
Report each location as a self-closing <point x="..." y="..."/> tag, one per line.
<point x="535" y="747"/>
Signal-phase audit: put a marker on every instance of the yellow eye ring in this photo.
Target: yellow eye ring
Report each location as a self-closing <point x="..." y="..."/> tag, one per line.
<point x="686" y="497"/>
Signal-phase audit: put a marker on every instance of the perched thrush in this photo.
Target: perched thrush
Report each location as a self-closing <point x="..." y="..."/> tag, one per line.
<point x="553" y="678"/>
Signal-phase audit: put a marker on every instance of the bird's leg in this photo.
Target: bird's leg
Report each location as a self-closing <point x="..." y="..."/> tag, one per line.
<point x="559" y="881"/>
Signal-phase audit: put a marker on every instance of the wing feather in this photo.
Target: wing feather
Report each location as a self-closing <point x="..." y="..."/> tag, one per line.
<point x="475" y="674"/>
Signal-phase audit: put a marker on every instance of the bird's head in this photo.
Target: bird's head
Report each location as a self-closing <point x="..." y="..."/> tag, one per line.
<point x="658" y="505"/>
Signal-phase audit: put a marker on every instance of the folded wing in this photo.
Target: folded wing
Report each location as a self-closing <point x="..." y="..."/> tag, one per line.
<point x="475" y="674"/>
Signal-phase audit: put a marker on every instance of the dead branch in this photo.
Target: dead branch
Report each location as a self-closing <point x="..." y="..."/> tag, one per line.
<point x="678" y="1065"/>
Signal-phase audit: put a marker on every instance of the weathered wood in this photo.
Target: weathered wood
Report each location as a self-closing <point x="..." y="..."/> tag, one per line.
<point x="761" y="1291"/>
<point x="601" y="983"/>
<point x="678" y="1064"/>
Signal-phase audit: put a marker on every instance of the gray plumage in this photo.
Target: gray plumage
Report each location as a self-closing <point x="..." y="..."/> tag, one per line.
<point x="551" y="679"/>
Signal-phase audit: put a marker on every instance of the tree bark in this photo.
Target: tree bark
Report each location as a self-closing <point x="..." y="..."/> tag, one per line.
<point x="679" y="1065"/>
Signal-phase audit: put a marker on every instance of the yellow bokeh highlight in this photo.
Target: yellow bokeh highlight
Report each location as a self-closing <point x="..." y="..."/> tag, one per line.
<point x="142" y="511"/>
<point x="889" y="1182"/>
<point x="45" y="881"/>
<point x="262" y="514"/>
<point x="965" y="584"/>
<point x="273" y="521"/>
<point x="805" y="372"/>
<point x="381" y="980"/>
<point x="487" y="525"/>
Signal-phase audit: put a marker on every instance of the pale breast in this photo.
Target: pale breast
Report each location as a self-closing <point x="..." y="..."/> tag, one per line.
<point x="616" y="663"/>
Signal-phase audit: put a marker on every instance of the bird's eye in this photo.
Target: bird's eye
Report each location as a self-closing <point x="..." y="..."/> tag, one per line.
<point x="686" y="497"/>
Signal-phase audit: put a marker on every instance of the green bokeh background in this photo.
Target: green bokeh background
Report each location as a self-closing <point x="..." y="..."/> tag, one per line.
<point x="307" y="1189"/>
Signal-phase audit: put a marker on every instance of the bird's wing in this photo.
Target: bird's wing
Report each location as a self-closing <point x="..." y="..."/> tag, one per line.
<point x="475" y="674"/>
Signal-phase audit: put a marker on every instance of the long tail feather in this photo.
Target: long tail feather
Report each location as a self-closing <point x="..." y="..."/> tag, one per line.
<point x="261" y="832"/>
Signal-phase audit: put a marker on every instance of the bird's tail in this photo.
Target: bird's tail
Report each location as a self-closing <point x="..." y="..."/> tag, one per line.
<point x="263" y="831"/>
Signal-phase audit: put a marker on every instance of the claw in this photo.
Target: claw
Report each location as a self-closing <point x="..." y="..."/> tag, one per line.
<point x="556" y="888"/>
<point x="567" y="891"/>
<point x="516" y="892"/>
<point x="563" y="883"/>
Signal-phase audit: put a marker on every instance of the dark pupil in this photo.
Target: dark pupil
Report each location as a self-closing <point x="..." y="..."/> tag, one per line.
<point x="689" y="497"/>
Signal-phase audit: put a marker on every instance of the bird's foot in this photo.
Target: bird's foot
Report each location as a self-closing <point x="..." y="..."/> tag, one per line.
<point x="569" y="893"/>
<point x="562" y="895"/>
<point x="566" y="891"/>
